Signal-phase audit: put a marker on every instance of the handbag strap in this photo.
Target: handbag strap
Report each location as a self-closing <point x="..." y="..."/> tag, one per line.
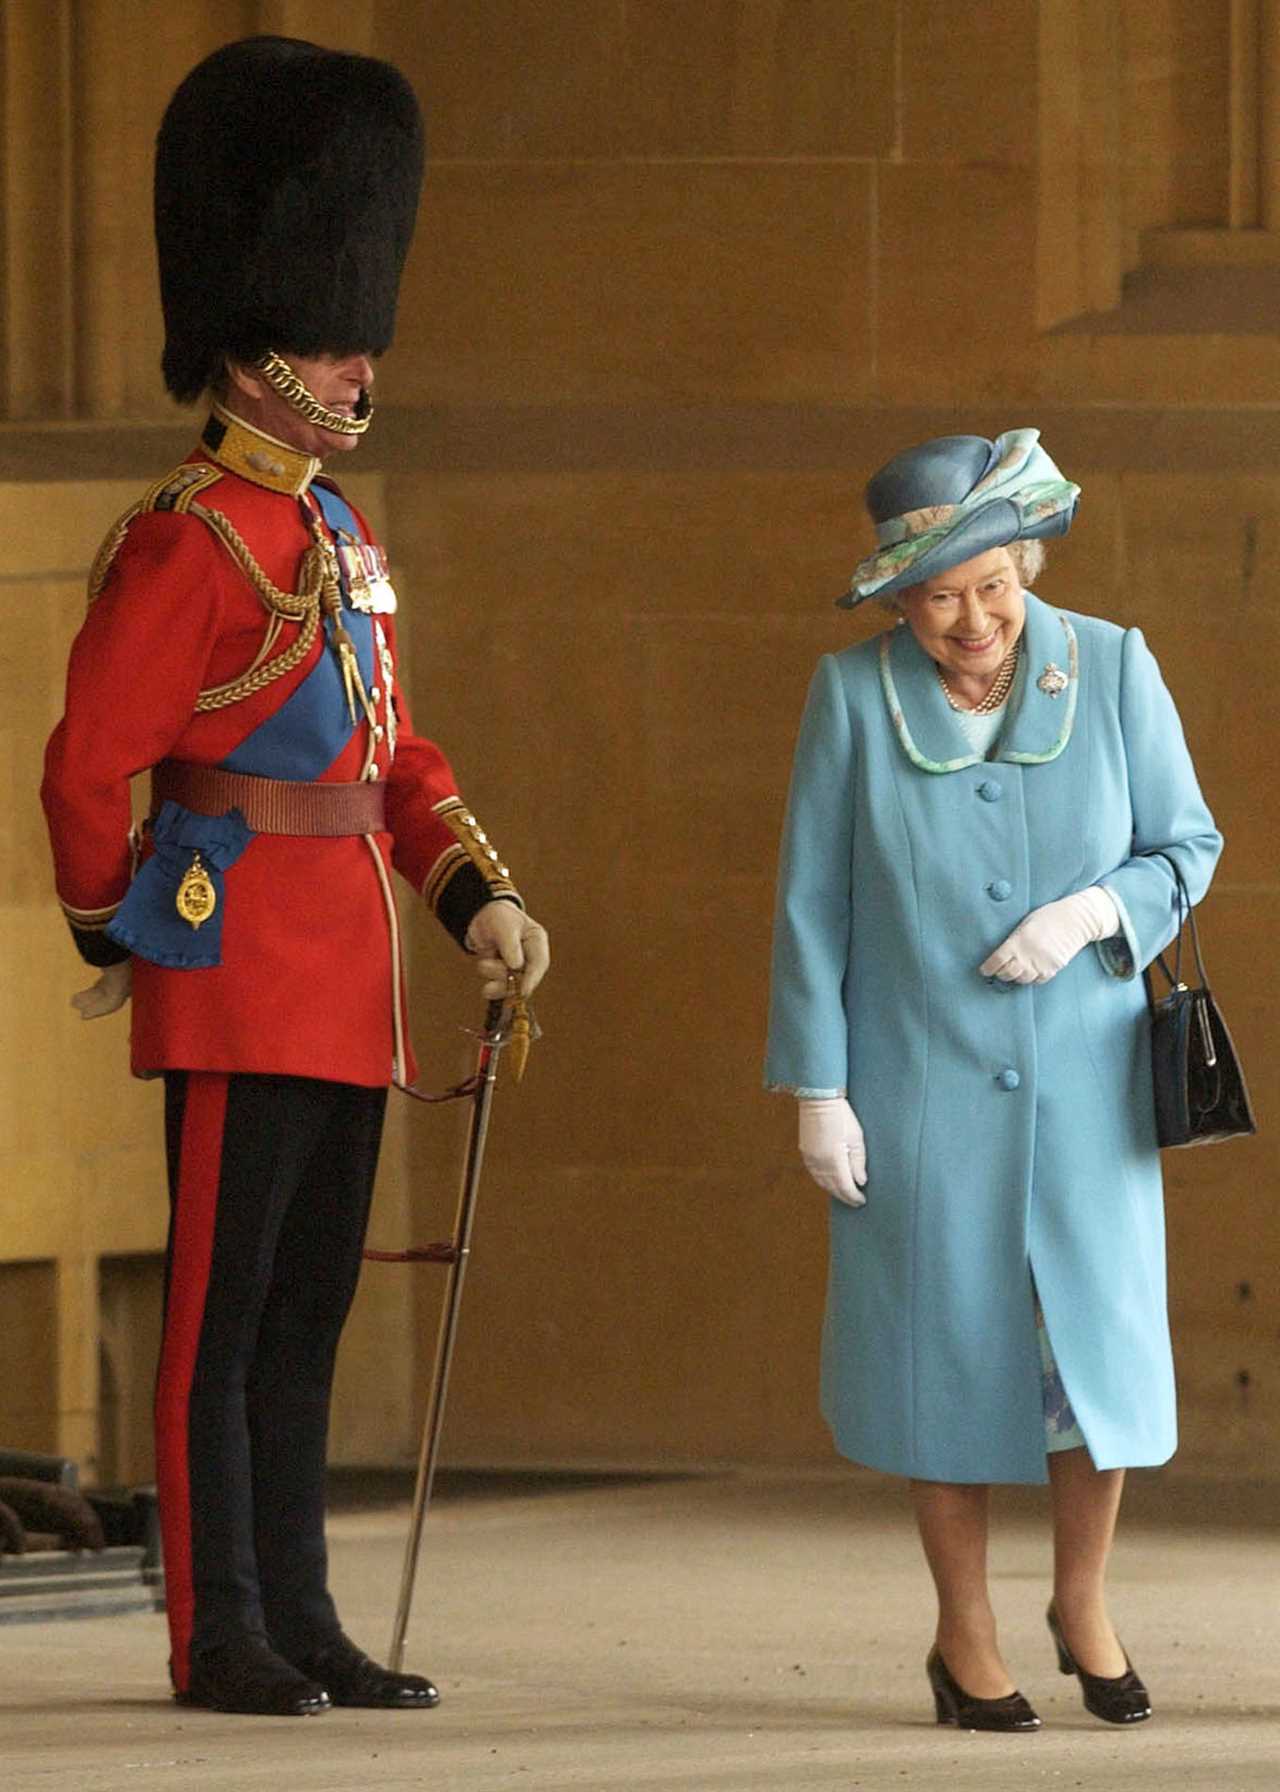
<point x="1186" y="917"/>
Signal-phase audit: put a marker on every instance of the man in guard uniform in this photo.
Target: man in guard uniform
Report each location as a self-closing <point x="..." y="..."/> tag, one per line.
<point x="240" y="643"/>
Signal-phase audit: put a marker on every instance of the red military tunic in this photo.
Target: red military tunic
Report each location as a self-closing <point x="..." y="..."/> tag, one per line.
<point x="310" y="979"/>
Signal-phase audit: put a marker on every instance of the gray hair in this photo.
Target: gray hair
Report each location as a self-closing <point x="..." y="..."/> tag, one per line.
<point x="1028" y="558"/>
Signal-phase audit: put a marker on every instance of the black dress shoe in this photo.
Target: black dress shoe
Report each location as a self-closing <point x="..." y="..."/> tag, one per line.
<point x="250" y="1677"/>
<point x="1120" y="1699"/>
<point x="956" y="1706"/>
<point x="351" y="1678"/>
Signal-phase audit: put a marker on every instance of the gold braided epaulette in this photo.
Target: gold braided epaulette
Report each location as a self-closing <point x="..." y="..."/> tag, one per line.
<point x="176" y="491"/>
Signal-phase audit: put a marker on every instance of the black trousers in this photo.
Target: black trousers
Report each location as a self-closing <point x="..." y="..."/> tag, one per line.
<point x="270" y="1181"/>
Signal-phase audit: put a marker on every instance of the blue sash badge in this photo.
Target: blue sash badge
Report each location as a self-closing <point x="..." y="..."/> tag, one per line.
<point x="173" y="912"/>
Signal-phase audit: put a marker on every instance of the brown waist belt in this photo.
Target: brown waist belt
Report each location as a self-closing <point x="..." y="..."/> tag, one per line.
<point x="271" y="805"/>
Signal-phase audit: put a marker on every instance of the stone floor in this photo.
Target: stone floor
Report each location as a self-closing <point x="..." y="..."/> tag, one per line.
<point x="724" y="1633"/>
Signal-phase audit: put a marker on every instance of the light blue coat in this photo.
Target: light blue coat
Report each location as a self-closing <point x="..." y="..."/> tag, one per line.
<point x="1009" y="1128"/>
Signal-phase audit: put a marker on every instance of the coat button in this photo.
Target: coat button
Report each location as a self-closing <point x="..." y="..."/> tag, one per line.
<point x="999" y="889"/>
<point x="1008" y="1078"/>
<point x="990" y="791"/>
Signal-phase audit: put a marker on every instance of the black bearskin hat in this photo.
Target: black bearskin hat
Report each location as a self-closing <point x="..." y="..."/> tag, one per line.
<point x="287" y="181"/>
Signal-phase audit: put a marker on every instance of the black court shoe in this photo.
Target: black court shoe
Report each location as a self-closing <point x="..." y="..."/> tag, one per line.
<point x="249" y="1677"/>
<point x="351" y="1678"/>
<point x="1121" y="1699"/>
<point x="956" y="1706"/>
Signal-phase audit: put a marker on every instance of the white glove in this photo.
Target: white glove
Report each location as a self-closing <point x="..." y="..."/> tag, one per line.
<point x="505" y="939"/>
<point x="1049" y="937"/>
<point x="833" y="1148"/>
<point x="111" y="991"/>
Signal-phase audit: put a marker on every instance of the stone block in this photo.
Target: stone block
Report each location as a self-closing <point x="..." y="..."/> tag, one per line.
<point x="676" y="281"/>
<point x="1157" y="368"/>
<point x="969" y="83"/>
<point x="1177" y="150"/>
<point x="588" y="81"/>
<point x="956" y="295"/>
<point x="735" y="78"/>
<point x="505" y="81"/>
<point x="617" y="1351"/>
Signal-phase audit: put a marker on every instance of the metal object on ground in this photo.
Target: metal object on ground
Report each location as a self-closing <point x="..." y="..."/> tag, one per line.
<point x="64" y="1582"/>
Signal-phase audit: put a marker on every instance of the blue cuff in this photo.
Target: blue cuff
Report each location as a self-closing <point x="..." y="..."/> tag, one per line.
<point x="1119" y="953"/>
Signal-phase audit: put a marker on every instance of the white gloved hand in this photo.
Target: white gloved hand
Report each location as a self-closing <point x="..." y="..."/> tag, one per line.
<point x="111" y="991"/>
<point x="505" y="939"/>
<point x="833" y="1148"/>
<point x="1049" y="937"/>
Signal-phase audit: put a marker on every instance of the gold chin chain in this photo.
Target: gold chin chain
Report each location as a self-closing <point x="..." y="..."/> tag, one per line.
<point x="282" y="379"/>
<point x="999" y="689"/>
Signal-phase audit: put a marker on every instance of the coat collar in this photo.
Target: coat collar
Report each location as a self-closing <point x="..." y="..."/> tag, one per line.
<point x="1042" y="704"/>
<point x="256" y="456"/>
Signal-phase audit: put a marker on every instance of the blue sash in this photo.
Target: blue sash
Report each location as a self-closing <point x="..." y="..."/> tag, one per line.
<point x="298" y="741"/>
<point x="302" y="738"/>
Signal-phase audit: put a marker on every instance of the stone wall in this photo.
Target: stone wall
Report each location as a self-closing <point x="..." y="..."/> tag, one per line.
<point x="687" y="271"/>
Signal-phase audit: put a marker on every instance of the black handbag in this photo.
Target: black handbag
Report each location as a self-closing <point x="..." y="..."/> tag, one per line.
<point x="1201" y="1096"/>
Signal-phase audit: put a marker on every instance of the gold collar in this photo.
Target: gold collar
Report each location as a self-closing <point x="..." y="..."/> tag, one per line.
<point x="254" y="455"/>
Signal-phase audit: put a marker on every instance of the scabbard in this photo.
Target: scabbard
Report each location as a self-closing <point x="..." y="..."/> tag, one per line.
<point x="433" y="1422"/>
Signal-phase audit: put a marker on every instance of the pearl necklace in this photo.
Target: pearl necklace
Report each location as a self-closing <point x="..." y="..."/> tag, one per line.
<point x="999" y="689"/>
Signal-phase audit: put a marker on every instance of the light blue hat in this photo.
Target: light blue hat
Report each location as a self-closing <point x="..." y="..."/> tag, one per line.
<point x="950" y="499"/>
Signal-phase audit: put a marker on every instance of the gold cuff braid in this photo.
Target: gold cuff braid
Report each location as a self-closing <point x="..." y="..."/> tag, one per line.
<point x="90" y="920"/>
<point x="471" y="846"/>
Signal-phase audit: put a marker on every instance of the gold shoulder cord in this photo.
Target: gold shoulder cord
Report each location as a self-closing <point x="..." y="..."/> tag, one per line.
<point x="301" y="606"/>
<point x="178" y="491"/>
<point x="103" y="559"/>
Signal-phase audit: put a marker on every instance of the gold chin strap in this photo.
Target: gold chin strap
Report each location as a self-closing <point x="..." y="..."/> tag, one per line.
<point x="282" y="379"/>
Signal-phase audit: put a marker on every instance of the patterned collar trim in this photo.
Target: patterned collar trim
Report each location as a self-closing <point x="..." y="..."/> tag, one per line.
<point x="1040" y="713"/>
<point x="256" y="456"/>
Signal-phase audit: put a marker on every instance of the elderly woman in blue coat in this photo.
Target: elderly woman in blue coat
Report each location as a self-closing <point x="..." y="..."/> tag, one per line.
<point x="966" y="902"/>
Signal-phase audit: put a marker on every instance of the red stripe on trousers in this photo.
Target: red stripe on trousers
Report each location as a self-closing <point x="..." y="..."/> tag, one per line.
<point x="195" y="1214"/>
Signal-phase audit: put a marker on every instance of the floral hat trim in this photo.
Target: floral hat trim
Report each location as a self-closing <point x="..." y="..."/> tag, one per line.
<point x="1023" y="476"/>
